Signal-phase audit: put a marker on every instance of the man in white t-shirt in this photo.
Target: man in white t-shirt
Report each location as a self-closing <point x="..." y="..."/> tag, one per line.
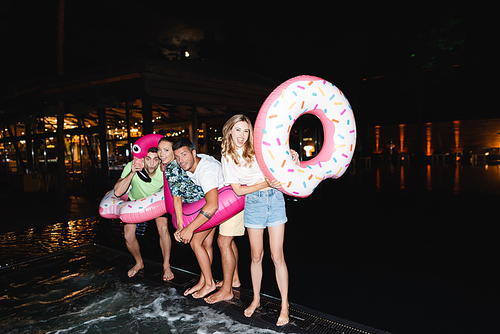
<point x="206" y="172"/>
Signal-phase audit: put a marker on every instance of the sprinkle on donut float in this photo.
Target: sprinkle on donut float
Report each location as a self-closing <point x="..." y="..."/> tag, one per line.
<point x="110" y="205"/>
<point x="296" y="97"/>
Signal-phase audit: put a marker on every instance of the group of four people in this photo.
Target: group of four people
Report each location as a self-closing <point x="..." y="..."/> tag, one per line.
<point x="192" y="176"/>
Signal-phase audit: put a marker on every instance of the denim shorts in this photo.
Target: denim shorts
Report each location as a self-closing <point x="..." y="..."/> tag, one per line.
<point x="264" y="208"/>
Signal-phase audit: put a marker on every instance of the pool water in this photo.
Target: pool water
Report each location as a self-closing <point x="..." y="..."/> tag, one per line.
<point x="39" y="241"/>
<point x="399" y="248"/>
<point x="77" y="295"/>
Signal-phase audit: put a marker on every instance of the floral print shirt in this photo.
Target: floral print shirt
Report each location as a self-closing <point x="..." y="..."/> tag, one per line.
<point x="181" y="185"/>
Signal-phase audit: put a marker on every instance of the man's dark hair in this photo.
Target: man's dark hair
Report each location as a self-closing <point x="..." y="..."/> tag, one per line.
<point x="153" y="150"/>
<point x="183" y="142"/>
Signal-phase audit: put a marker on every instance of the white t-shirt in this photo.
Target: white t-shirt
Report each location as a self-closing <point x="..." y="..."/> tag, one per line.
<point x="241" y="174"/>
<point x="208" y="173"/>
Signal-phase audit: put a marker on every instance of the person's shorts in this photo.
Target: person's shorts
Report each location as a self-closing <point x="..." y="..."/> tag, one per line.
<point x="264" y="208"/>
<point x="234" y="226"/>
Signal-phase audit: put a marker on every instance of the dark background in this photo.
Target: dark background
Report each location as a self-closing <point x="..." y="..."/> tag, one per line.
<point x="396" y="64"/>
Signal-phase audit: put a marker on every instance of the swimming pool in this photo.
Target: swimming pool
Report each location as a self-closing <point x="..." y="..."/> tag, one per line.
<point x="86" y="290"/>
<point x="414" y="257"/>
<point x="76" y="292"/>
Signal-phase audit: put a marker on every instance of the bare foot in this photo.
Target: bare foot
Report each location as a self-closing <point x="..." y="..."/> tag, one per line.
<point x="204" y="291"/>
<point x="191" y="290"/>
<point x="283" y="319"/>
<point x="198" y="286"/>
<point x="135" y="269"/>
<point x="167" y="274"/>
<point x="218" y="297"/>
<point x="251" y="309"/>
<point x="236" y="284"/>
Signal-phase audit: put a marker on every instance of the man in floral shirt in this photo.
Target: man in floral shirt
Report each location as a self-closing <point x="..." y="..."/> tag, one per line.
<point x="181" y="187"/>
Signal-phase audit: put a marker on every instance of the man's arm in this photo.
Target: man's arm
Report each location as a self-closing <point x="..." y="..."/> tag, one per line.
<point x="123" y="184"/>
<point x="208" y="210"/>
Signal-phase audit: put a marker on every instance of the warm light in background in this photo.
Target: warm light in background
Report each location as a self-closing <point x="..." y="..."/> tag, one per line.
<point x="401" y="137"/>
<point x="377" y="138"/>
<point x="309" y="149"/>
<point x="428" y="136"/>
<point x="456" y="131"/>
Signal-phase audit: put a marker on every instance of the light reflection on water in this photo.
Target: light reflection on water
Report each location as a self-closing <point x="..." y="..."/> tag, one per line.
<point x="451" y="179"/>
<point x="34" y="242"/>
<point x="103" y="301"/>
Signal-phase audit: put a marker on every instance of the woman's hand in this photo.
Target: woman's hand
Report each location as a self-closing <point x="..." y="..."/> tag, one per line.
<point x="273" y="183"/>
<point x="295" y="157"/>
<point x="177" y="234"/>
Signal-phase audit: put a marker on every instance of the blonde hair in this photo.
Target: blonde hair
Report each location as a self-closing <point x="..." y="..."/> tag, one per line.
<point x="228" y="148"/>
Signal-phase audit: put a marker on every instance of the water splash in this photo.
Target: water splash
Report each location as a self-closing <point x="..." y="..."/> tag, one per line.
<point x="94" y="300"/>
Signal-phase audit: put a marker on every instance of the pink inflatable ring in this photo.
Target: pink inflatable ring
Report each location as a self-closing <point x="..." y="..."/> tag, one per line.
<point x="229" y="205"/>
<point x="292" y="99"/>
<point x="142" y="209"/>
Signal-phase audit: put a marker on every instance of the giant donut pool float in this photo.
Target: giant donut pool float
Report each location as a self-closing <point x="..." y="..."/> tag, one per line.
<point x="296" y="97"/>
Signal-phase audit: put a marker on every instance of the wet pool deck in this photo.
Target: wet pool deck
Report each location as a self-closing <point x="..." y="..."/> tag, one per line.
<point x="302" y="319"/>
<point x="399" y="251"/>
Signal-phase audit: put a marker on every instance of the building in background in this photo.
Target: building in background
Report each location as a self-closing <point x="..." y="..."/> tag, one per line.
<point x="107" y="109"/>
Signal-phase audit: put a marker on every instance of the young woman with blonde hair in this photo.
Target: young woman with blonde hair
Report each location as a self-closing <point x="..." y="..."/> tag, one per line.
<point x="264" y="207"/>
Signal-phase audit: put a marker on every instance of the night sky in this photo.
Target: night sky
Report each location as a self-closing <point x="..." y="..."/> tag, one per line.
<point x="379" y="55"/>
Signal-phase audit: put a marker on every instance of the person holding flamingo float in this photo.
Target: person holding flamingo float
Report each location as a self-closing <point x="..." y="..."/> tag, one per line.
<point x="140" y="188"/>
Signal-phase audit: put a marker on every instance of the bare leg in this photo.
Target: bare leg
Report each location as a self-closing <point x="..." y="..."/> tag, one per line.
<point x="165" y="245"/>
<point x="133" y="248"/>
<point x="202" y="251"/>
<point x="208" y="243"/>
<point x="256" y="238"/>
<point x="276" y="238"/>
<point x="228" y="264"/>
<point x="236" y="276"/>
